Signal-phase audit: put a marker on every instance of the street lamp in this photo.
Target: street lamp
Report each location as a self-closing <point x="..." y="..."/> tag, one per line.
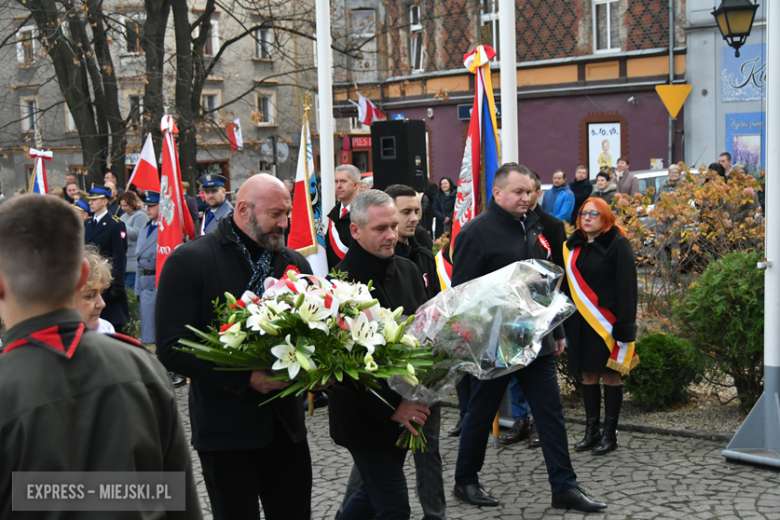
<point x="735" y="19"/>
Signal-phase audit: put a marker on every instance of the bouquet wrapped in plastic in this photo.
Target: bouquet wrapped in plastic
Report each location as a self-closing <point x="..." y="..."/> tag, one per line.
<point x="488" y="327"/>
<point x="494" y="325"/>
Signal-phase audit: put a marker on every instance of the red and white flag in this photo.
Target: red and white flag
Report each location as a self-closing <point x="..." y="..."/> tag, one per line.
<point x="304" y="236"/>
<point x="175" y="221"/>
<point x="145" y="175"/>
<point x="367" y="111"/>
<point x="234" y="135"/>
<point x="38" y="182"/>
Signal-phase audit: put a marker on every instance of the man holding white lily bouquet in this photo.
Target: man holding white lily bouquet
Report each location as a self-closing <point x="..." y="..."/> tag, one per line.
<point x="365" y="423"/>
<point x="237" y="440"/>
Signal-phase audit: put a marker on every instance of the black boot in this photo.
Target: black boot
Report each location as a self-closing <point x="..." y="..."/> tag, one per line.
<point x="613" y="398"/>
<point x="591" y="396"/>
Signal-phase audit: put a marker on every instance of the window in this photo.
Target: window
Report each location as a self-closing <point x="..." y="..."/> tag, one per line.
<point x="211" y="44"/>
<point x="29" y="115"/>
<point x="606" y="25"/>
<point x="356" y="125"/>
<point x="70" y="124"/>
<point x="489" y="18"/>
<point x="209" y="102"/>
<point x="363" y="23"/>
<point x="264" y="42"/>
<point x="26" y="44"/>
<point x="415" y="38"/>
<point x="135" y="109"/>
<point x="265" y="109"/>
<point x="133" y="28"/>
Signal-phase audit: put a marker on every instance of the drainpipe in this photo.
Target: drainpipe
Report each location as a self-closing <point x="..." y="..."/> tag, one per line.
<point x="672" y="120"/>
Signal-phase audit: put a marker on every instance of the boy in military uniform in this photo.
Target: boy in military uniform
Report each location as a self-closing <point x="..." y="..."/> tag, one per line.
<point x="73" y="399"/>
<point x="109" y="234"/>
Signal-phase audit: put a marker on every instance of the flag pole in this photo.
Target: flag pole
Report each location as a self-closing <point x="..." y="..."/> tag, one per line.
<point x="508" y="48"/>
<point x="325" y="81"/>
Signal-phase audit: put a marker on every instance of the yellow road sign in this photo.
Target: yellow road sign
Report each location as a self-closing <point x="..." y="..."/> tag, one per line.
<point x="673" y="97"/>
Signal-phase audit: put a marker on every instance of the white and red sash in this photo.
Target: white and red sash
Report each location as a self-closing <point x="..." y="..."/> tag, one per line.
<point x="335" y="241"/>
<point x="624" y="357"/>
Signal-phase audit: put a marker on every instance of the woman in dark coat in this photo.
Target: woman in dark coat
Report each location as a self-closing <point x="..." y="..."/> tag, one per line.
<point x="443" y="206"/>
<point x="602" y="282"/>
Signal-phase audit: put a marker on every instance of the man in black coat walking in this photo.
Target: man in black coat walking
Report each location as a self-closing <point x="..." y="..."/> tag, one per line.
<point x="359" y="420"/>
<point x="505" y="233"/>
<point x="246" y="451"/>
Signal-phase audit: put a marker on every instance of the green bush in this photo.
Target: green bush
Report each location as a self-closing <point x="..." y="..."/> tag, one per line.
<point x="668" y="366"/>
<point x="723" y="314"/>
<point x="133" y="326"/>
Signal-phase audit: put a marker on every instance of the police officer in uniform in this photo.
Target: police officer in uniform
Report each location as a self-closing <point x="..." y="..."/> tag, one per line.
<point x="109" y="234"/>
<point x="145" y="273"/>
<point x="219" y="206"/>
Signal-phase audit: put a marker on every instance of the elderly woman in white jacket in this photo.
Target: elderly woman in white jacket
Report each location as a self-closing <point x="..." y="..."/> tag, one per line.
<point x="135" y="218"/>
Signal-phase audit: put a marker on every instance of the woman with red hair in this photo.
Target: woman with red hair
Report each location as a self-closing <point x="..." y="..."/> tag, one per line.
<point x="602" y="282"/>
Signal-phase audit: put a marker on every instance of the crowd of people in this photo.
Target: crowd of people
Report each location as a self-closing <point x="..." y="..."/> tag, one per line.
<point x="255" y="457"/>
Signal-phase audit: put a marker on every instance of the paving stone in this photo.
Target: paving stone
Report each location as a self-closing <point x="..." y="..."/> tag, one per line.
<point x="649" y="476"/>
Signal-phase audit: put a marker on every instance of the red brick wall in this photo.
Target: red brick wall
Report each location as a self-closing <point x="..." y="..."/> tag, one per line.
<point x="647" y="24"/>
<point x="546" y="29"/>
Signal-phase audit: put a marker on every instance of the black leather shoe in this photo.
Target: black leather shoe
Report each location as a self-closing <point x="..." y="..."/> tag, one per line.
<point x="576" y="499"/>
<point x="177" y="380"/>
<point x="475" y="495"/>
<point x="533" y="438"/>
<point x="518" y="432"/>
<point x="455" y="432"/>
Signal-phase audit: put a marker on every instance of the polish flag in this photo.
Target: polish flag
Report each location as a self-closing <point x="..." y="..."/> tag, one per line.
<point x="145" y="175"/>
<point x="307" y="210"/>
<point x="367" y="111"/>
<point x="234" y="135"/>
<point x="38" y="182"/>
<point x="175" y="221"/>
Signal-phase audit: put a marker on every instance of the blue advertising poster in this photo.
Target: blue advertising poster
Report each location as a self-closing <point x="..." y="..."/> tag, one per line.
<point x="744" y="78"/>
<point x="745" y="135"/>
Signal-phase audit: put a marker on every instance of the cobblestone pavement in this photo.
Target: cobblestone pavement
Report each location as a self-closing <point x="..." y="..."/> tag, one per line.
<point x="649" y="476"/>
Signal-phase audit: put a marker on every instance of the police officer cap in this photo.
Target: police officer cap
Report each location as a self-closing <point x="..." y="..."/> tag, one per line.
<point x="82" y="203"/>
<point x="152" y="198"/>
<point x="99" y="191"/>
<point x="212" y="181"/>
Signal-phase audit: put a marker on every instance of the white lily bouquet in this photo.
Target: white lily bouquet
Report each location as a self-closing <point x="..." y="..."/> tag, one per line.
<point x="311" y="330"/>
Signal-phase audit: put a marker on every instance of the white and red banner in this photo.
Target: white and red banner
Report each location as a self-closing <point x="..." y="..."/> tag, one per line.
<point x="175" y="221"/>
<point x="145" y="175"/>
<point x="234" y="135"/>
<point x="304" y="236"/>
<point x="38" y="182"/>
<point x="482" y="136"/>
<point x="622" y="355"/>
<point x="367" y="111"/>
<point x="444" y="270"/>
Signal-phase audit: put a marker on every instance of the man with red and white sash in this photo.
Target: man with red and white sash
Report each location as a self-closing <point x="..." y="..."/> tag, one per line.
<point x="339" y="237"/>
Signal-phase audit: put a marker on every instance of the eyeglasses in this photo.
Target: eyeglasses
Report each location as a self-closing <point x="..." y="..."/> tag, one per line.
<point x="591" y="214"/>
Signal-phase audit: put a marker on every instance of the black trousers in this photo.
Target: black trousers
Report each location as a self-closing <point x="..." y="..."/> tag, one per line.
<point x="540" y="386"/>
<point x="278" y="474"/>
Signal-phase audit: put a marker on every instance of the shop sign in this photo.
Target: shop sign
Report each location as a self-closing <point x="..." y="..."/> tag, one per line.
<point x="744" y="78"/>
<point x="464" y="111"/>
<point x="361" y="142"/>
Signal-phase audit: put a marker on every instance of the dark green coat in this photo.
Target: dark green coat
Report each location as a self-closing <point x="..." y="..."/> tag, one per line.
<point x="109" y="406"/>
